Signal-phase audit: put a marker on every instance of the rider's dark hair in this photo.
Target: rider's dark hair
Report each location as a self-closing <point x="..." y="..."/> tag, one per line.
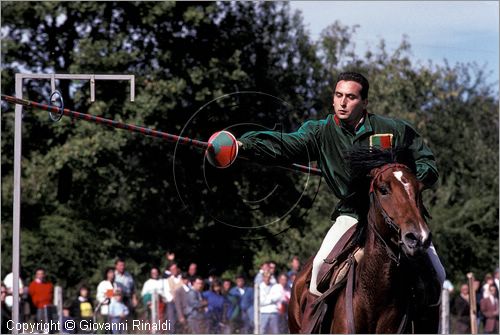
<point x="357" y="77"/>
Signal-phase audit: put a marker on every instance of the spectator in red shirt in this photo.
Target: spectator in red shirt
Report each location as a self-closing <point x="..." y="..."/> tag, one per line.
<point x="41" y="293"/>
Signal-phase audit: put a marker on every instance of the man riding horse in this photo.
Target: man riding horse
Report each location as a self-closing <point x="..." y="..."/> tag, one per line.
<point x="327" y="141"/>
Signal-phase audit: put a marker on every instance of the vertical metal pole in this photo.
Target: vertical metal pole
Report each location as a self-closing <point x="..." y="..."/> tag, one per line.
<point x="256" y="308"/>
<point x="16" y="215"/>
<point x="52" y="82"/>
<point x="132" y="89"/>
<point x="58" y="301"/>
<point x="472" y="304"/>
<point x="154" y="309"/>
<point x="445" y="311"/>
<point x="92" y="88"/>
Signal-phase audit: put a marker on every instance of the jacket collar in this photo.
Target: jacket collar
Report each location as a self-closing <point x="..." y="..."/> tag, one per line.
<point x="364" y="126"/>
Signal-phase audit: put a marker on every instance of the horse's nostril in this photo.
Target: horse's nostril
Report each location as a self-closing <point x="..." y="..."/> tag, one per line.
<point x="411" y="240"/>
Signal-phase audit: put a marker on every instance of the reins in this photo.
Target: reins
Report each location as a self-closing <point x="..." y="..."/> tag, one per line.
<point x="390" y="252"/>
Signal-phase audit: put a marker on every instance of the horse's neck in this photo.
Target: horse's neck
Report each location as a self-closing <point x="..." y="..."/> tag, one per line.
<point x="378" y="271"/>
<point x="377" y="268"/>
<point x="380" y="290"/>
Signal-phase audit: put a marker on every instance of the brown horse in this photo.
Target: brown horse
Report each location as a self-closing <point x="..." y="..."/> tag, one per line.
<point x="395" y="289"/>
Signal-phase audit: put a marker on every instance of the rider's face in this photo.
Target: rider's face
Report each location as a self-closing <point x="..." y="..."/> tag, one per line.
<point x="347" y="102"/>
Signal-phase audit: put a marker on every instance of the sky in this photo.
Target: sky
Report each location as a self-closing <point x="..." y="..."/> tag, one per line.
<point x="459" y="31"/>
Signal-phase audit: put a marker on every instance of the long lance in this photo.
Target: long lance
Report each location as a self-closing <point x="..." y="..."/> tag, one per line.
<point x="134" y="129"/>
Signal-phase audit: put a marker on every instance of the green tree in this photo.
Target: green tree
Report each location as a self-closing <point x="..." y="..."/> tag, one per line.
<point x="112" y="193"/>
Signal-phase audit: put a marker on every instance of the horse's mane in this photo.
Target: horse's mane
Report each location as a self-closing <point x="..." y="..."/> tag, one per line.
<point x="360" y="162"/>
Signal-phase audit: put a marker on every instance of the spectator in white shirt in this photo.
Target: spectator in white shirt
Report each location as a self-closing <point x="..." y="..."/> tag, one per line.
<point x="125" y="282"/>
<point x="269" y="299"/>
<point x="151" y="286"/>
<point x="9" y="284"/>
<point x="283" y="303"/>
<point x="105" y="291"/>
<point x="488" y="280"/>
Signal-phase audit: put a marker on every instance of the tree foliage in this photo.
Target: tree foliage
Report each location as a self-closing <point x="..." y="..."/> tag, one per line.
<point x="90" y="194"/>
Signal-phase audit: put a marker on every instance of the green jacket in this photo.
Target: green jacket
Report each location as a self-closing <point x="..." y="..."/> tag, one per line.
<point x="326" y="141"/>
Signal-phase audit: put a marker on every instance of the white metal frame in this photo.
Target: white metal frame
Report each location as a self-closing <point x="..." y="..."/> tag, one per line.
<point x="445" y="311"/>
<point x="17" y="161"/>
<point x="256" y="308"/>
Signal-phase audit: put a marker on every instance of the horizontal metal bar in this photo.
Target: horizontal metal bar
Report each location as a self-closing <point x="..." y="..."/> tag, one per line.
<point x="78" y="76"/>
<point x="91" y="77"/>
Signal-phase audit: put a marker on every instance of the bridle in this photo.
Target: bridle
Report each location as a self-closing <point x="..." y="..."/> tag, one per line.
<point x="394" y="255"/>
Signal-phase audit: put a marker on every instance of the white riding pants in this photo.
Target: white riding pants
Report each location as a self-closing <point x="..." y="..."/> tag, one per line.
<point x="337" y="230"/>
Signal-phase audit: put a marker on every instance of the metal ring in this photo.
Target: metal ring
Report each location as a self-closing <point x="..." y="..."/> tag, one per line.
<point x="53" y="101"/>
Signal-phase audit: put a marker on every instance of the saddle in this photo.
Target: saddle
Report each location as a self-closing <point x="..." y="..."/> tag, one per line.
<point x="332" y="277"/>
<point x="336" y="265"/>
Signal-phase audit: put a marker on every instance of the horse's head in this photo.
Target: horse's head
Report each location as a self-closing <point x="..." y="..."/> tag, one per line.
<point x="396" y="197"/>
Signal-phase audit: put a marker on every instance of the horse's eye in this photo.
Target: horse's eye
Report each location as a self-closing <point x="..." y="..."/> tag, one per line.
<point x="383" y="189"/>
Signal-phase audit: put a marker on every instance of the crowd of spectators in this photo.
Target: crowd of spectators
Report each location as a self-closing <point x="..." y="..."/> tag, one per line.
<point x="487" y="305"/>
<point x="189" y="303"/>
<point x="185" y="301"/>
